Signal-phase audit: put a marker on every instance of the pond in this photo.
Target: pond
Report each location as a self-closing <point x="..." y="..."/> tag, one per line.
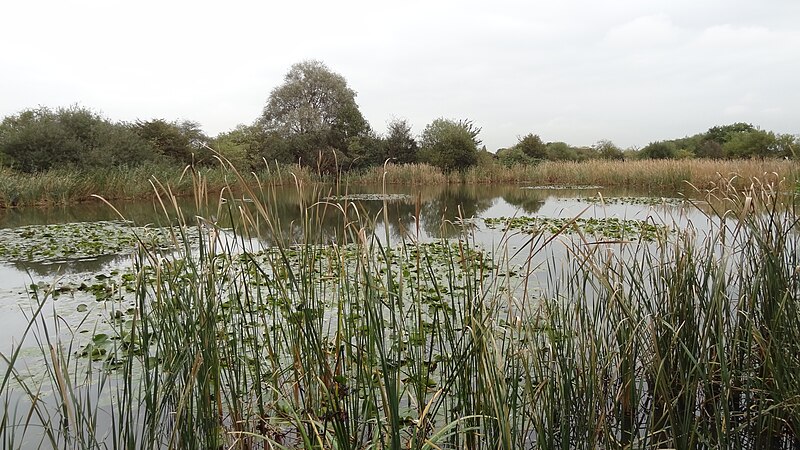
<point x="52" y="250"/>
<point x="382" y="310"/>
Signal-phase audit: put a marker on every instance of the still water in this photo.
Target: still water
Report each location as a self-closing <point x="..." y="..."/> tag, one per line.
<point x="398" y="214"/>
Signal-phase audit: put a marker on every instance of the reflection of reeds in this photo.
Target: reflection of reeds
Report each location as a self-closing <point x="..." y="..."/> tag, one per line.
<point x="690" y="342"/>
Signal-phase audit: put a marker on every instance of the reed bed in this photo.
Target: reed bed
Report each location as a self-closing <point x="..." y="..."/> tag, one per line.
<point x="647" y="174"/>
<point x="64" y="186"/>
<point x="69" y="185"/>
<point x="404" y="174"/>
<point x="644" y="174"/>
<point x="364" y="343"/>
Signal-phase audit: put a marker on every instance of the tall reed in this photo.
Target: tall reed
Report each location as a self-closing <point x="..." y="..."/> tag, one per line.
<point x="357" y="341"/>
<point x="70" y="185"/>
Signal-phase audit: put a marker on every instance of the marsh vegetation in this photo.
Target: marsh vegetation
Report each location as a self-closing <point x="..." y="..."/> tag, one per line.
<point x="351" y="319"/>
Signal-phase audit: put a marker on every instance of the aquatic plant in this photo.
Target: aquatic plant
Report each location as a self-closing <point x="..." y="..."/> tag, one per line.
<point x="80" y="240"/>
<point x="604" y="227"/>
<point x="685" y="342"/>
<point x="647" y="201"/>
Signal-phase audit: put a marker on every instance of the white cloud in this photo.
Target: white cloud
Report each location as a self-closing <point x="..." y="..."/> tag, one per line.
<point x="576" y="70"/>
<point x="643" y="32"/>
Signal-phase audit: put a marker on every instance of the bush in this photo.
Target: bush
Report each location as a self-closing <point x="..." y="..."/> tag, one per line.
<point x="39" y="139"/>
<point x="449" y="145"/>
<point x="513" y="156"/>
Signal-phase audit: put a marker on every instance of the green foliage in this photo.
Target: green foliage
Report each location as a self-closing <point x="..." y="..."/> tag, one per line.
<point x="271" y="146"/>
<point x="182" y="142"/>
<point x="450" y="145"/>
<point x="532" y="146"/>
<point x="235" y="145"/>
<point x="710" y="149"/>
<point x="401" y="146"/>
<point x="39" y="139"/>
<point x="364" y="150"/>
<point x="607" y="150"/>
<point x="311" y="113"/>
<point x="724" y="133"/>
<point x="710" y="144"/>
<point x="561" y="151"/>
<point x="485" y="157"/>
<point x="738" y="140"/>
<point x="513" y="156"/>
<point x="659" y="150"/>
<point x="787" y="145"/>
<point x="753" y="143"/>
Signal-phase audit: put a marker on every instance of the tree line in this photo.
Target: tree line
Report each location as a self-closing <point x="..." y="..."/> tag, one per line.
<point x="312" y="119"/>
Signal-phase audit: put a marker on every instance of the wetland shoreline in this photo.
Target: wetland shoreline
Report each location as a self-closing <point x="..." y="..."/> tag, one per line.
<point x="63" y="186"/>
<point x="393" y="320"/>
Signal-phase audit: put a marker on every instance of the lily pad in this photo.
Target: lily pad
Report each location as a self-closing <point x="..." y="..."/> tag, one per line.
<point x="78" y="241"/>
<point x="370" y="197"/>
<point x="560" y="187"/>
<point x="607" y="227"/>
<point x="646" y="201"/>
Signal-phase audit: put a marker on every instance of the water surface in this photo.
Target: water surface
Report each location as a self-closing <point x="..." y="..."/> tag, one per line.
<point x="400" y="213"/>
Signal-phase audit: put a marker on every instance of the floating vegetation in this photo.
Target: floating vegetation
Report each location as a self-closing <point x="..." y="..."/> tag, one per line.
<point x="364" y="344"/>
<point x="646" y="201"/>
<point x="607" y="227"/>
<point x="328" y="271"/>
<point x="560" y="187"/>
<point x="80" y="240"/>
<point x="370" y="197"/>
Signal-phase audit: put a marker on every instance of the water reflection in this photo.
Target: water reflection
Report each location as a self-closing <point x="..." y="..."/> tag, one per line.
<point x="309" y="215"/>
<point x="66" y="267"/>
<point x="528" y="200"/>
<point x="443" y="215"/>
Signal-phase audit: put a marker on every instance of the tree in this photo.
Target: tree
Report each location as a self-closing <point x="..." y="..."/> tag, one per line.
<point x="513" y="156"/>
<point x="401" y="147"/>
<point x="658" y="150"/>
<point x="561" y="151"/>
<point x="312" y="111"/>
<point x="40" y="139"/>
<point x="749" y="144"/>
<point x="724" y="133"/>
<point x="234" y="145"/>
<point x="182" y="142"/>
<point x="450" y="145"/>
<point x="710" y="149"/>
<point x="787" y="145"/>
<point x="365" y="150"/>
<point x="607" y="150"/>
<point x="532" y="146"/>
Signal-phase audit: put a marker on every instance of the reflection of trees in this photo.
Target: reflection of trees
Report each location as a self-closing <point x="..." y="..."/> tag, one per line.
<point x="441" y="215"/>
<point x="299" y="214"/>
<point x="528" y="200"/>
<point x="402" y="219"/>
<point x="315" y="217"/>
<point x="440" y="211"/>
<point x="70" y="266"/>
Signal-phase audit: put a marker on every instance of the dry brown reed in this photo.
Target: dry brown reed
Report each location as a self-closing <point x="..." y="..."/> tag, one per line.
<point x="701" y="173"/>
<point x="70" y="186"/>
<point x="645" y="174"/>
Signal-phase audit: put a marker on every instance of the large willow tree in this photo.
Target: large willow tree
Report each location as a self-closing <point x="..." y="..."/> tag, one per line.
<point x="312" y="113"/>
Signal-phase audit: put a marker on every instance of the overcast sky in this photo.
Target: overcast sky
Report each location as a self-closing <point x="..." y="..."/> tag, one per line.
<point x="632" y="71"/>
